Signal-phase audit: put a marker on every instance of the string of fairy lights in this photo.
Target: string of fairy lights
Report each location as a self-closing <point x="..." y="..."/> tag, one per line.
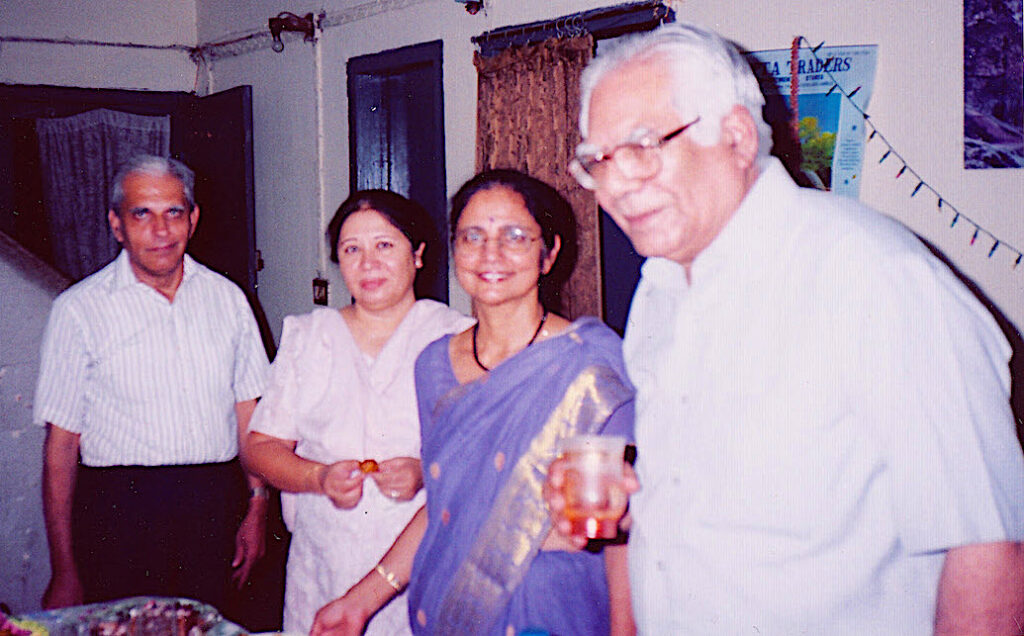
<point x="942" y="204"/>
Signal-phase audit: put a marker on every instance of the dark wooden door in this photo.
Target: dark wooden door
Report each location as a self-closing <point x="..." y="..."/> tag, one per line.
<point x="213" y="136"/>
<point x="620" y="273"/>
<point x="396" y="129"/>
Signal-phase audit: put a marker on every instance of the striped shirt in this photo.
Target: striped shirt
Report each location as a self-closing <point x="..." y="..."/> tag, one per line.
<point x="146" y="381"/>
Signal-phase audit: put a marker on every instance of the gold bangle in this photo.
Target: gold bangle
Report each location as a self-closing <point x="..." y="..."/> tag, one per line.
<point x="389" y="577"/>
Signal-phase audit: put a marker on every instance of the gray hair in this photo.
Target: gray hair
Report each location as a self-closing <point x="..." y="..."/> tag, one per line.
<point x="157" y="167"/>
<point x="710" y="75"/>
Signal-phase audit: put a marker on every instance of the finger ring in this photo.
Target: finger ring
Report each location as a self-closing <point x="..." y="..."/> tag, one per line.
<point x="394" y="494"/>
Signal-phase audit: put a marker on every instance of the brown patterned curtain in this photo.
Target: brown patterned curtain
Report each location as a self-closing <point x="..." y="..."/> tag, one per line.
<point x="527" y="110"/>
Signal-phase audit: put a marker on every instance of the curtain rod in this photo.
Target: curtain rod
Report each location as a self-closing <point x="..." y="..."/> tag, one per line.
<point x="604" y="22"/>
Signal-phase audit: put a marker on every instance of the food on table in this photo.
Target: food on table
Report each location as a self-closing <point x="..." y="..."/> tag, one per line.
<point x="156" y="616"/>
<point x="21" y="627"/>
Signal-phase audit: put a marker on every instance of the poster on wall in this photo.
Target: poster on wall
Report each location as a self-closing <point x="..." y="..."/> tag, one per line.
<point x="993" y="84"/>
<point x="831" y="125"/>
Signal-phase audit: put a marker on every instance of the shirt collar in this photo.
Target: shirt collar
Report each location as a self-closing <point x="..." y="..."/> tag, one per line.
<point x="189" y="269"/>
<point x="663" y="272"/>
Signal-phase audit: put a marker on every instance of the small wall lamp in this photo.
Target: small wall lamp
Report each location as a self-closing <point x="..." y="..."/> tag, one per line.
<point x="286" y="21"/>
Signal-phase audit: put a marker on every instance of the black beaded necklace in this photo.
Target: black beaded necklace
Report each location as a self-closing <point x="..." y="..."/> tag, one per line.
<point x="543" y="319"/>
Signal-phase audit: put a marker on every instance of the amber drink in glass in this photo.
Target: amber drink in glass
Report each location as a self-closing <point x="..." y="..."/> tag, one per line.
<point x="594" y="499"/>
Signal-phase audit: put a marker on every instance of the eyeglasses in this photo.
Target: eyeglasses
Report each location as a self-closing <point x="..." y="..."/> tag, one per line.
<point x="638" y="158"/>
<point x="511" y="238"/>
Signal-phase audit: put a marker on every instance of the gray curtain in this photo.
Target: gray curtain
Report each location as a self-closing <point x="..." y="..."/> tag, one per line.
<point x="79" y="156"/>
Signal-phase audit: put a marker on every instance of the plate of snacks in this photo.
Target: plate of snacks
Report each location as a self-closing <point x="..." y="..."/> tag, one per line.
<point x="136" y="616"/>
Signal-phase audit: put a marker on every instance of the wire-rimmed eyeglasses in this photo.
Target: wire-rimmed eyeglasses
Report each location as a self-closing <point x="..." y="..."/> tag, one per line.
<point x="638" y="158"/>
<point x="511" y="238"/>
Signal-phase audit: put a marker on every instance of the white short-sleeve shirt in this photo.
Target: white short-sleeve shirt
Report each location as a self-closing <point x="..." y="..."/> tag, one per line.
<point x="144" y="380"/>
<point x="821" y="413"/>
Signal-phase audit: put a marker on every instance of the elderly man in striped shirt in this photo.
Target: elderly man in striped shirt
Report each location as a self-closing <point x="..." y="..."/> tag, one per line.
<point x="150" y="371"/>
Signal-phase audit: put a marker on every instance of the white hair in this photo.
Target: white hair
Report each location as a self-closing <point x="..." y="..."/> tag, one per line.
<point x="154" y="166"/>
<point x="710" y="76"/>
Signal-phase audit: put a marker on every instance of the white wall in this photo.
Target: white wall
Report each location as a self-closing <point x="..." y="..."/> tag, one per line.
<point x="917" y="105"/>
<point x="27" y="287"/>
<point x="150" y="22"/>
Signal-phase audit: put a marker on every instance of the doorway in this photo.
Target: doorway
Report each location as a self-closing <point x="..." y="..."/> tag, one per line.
<point x="396" y="141"/>
<point x="212" y="135"/>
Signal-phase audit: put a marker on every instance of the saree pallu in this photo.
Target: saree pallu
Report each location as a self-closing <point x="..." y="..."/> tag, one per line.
<point x="486" y="446"/>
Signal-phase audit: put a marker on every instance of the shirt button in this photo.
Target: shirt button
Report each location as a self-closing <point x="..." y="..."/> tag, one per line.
<point x="510" y="631"/>
<point x="445" y="517"/>
<point x="435" y="470"/>
<point x="421" y="618"/>
<point x="499" y="461"/>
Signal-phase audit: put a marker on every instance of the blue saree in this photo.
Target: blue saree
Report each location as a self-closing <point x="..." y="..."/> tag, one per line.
<point x="486" y="446"/>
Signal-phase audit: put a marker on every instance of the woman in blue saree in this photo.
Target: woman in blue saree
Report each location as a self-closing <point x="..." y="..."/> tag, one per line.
<point x="494" y="402"/>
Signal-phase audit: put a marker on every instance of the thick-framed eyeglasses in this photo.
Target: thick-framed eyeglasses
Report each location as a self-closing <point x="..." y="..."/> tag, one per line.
<point x="638" y="158"/>
<point x="511" y="239"/>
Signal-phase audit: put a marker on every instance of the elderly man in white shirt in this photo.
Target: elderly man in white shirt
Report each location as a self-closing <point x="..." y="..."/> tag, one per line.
<point x="825" y="442"/>
<point x="150" y="370"/>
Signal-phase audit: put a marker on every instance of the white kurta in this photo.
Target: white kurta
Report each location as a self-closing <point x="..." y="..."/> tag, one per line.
<point x="337" y="403"/>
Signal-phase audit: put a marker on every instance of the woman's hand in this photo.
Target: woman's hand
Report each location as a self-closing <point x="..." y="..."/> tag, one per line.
<point x="342" y="482"/>
<point x="349" y="614"/>
<point x="556" y="500"/>
<point x="399" y="478"/>
<point x="341" y="617"/>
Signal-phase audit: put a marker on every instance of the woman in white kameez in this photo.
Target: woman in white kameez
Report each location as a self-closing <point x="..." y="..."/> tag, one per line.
<point x="337" y="428"/>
